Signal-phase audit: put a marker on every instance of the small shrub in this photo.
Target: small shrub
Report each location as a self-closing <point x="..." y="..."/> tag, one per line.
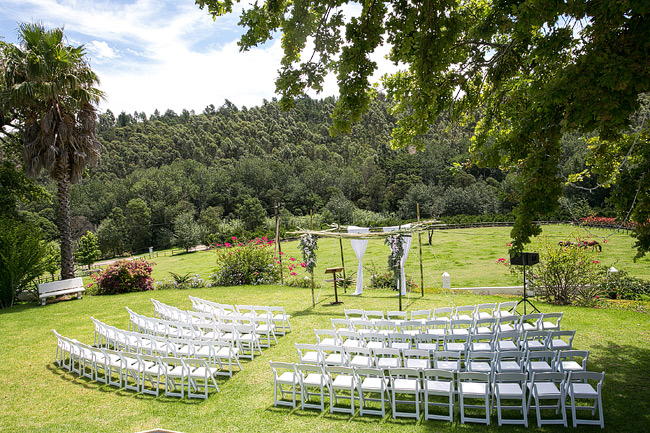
<point x="123" y="276"/>
<point x="251" y="263"/>
<point x="386" y="280"/>
<point x="621" y="285"/>
<point x="186" y="281"/>
<point x="301" y="282"/>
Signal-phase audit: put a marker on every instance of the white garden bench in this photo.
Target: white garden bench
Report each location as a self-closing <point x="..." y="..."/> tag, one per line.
<point x="62" y="287"/>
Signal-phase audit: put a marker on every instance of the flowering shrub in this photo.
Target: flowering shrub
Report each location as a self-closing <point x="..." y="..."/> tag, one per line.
<point x="181" y="281"/>
<point x="386" y="280"/>
<point x="245" y="263"/>
<point x="606" y="222"/>
<point x="123" y="276"/>
<point x="621" y="285"/>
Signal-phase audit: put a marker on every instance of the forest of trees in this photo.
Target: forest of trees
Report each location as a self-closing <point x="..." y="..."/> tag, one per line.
<point x="173" y="179"/>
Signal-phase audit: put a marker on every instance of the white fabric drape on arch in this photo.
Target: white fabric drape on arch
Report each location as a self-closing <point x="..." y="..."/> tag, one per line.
<point x="359" y="246"/>
<point x="406" y="245"/>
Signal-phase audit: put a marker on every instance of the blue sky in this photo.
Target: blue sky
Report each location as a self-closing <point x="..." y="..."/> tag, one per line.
<point x="157" y="53"/>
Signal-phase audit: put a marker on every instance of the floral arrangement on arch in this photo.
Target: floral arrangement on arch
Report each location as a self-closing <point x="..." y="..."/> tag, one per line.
<point x="308" y="246"/>
<point x="396" y="254"/>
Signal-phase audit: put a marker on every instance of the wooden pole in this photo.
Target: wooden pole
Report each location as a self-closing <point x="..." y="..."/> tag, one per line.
<point x="342" y="260"/>
<point x="417" y="210"/>
<point x="399" y="288"/>
<point x="313" y="299"/>
<point x="277" y="242"/>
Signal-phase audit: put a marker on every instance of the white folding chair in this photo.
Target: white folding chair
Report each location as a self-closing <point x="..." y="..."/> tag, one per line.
<point x="375" y="340"/>
<point x="372" y="387"/>
<point x="363" y="326"/>
<point x="481" y="342"/>
<point x="460" y="326"/>
<point x="544" y="387"/>
<point x="349" y="339"/>
<point x="510" y="361"/>
<point x="341" y="324"/>
<point x="551" y="321"/>
<point x="508" y="323"/>
<point x="175" y="376"/>
<point x="505" y="309"/>
<point x="580" y="388"/>
<point x="485" y="311"/>
<point x="540" y="361"/>
<point x="396" y="316"/>
<point x="386" y="327"/>
<point x="428" y="342"/>
<point x="359" y="357"/>
<point x="438" y="383"/>
<point x="333" y="355"/>
<point x="530" y="322"/>
<point x="456" y="343"/>
<point x="447" y="360"/>
<point x="281" y="318"/>
<point x="416" y="358"/>
<point x="343" y="385"/>
<point x="571" y="360"/>
<point x="411" y="327"/>
<point x="536" y="340"/>
<point x="443" y="313"/>
<point x="480" y="362"/>
<point x="284" y="375"/>
<point x="484" y="326"/>
<point x="405" y="381"/>
<point x="309" y="353"/>
<point x="373" y="315"/>
<point x="400" y="341"/>
<point x="421" y="315"/>
<point x="386" y="357"/>
<point x="561" y="340"/>
<point x="326" y="337"/>
<point x="152" y="373"/>
<point x="474" y="386"/>
<point x="437" y="327"/>
<point x="507" y="341"/>
<point x="200" y="378"/>
<point x="464" y="312"/>
<point x="313" y="382"/>
<point x="510" y="387"/>
<point x="351" y="313"/>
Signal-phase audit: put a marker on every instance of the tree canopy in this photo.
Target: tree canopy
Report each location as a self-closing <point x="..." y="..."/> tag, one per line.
<point x="528" y="71"/>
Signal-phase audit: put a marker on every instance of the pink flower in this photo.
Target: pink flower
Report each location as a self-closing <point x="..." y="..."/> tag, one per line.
<point x="509" y="244"/>
<point x="501" y="260"/>
<point x="234" y="238"/>
<point x="303" y="264"/>
<point x="293" y="273"/>
<point x="293" y="259"/>
<point x="595" y="261"/>
<point x="281" y="253"/>
<point x="227" y="245"/>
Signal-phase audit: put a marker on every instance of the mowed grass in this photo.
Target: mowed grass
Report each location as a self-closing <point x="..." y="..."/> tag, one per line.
<point x="39" y="397"/>
<point x="469" y="255"/>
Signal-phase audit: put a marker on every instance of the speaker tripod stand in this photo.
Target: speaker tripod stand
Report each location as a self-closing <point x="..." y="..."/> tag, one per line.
<point x="525" y="301"/>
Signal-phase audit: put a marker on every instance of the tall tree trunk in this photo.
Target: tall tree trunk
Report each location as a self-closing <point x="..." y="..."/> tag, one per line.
<point x="67" y="260"/>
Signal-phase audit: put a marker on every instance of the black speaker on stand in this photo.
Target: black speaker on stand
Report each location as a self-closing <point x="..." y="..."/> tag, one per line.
<point x="525" y="259"/>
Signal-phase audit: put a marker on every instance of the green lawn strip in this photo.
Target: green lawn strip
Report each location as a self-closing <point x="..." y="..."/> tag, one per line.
<point x="37" y="396"/>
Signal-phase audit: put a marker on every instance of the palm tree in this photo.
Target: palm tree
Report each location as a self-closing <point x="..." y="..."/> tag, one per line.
<point x="48" y="89"/>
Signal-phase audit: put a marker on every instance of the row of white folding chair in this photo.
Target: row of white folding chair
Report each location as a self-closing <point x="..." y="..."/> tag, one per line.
<point x="245" y="335"/>
<point x="221" y="353"/>
<point x="477" y="311"/>
<point x="511" y="340"/>
<point x="448" y="359"/>
<point x="137" y="372"/>
<point x="279" y="315"/>
<point x="524" y="323"/>
<point x="264" y="324"/>
<point x="429" y="385"/>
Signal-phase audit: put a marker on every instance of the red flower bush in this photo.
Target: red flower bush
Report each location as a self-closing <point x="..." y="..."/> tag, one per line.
<point x="124" y="276"/>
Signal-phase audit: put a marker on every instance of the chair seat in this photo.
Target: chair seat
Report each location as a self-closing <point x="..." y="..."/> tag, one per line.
<point x="582" y="390"/>
<point x="288" y="377"/>
<point x="484" y="315"/>
<point x="248" y="338"/>
<point x="316" y="379"/>
<point x="534" y="344"/>
<point x="528" y="327"/>
<point x="411" y="331"/>
<point x="400" y="345"/>
<point x="571" y="366"/>
<point x="459" y="331"/>
<point x="438" y="386"/>
<point x="427" y="346"/>
<point x="203" y="372"/>
<point x="506" y="345"/>
<point x="473" y="388"/>
<point x="281" y="316"/>
<point x="506" y="327"/>
<point x="176" y="371"/>
<point x="405" y="385"/>
<point x="436" y="331"/>
<point x="335" y="358"/>
<point x="227" y="352"/>
<point x="387" y="362"/>
<point x="509" y="390"/>
<point x="373" y="384"/>
<point x="343" y="381"/>
<point x="506" y="366"/>
<point x="479" y="366"/>
<point x="313" y="357"/>
<point x="546" y="389"/>
<point x="540" y="366"/>
<point x="464" y="317"/>
<point x="455" y="347"/>
<point x="559" y="344"/>
<point x="375" y="345"/>
<point x="481" y="347"/>
<point x="352" y="343"/>
<point x="327" y="342"/>
<point x="264" y="329"/>
<point x="503" y="314"/>
<point x="417" y="363"/>
<point x="361" y="361"/>
<point x="447" y="365"/>
<point x="483" y="330"/>
<point x="550" y="325"/>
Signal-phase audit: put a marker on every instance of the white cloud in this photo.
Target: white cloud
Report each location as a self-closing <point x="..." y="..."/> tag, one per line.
<point x="101" y="50"/>
<point x="145" y="55"/>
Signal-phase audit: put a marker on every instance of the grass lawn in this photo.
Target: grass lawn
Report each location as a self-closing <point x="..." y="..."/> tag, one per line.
<point x="469" y="255"/>
<point x="37" y="396"/>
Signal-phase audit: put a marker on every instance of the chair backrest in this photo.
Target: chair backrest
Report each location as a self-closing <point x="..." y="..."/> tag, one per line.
<point x="411" y="325"/>
<point x="391" y="315"/>
<point x="340" y="323"/>
<point x="373" y="314"/>
<point x="437" y="374"/>
<point x="461" y="323"/>
<point x="520" y="378"/>
<point x="337" y="369"/>
<point x="510" y="355"/>
<point x="370" y="372"/>
<point x="552" y="317"/>
<point x="353" y="313"/>
<point x="447" y="355"/>
<point x="442" y="312"/>
<point x="437" y="324"/>
<point x="420" y="314"/>
<point x="386" y="352"/>
<point x="547" y="355"/>
<point x="325" y="333"/>
<point x="399" y="337"/>
<point x="363" y="351"/>
<point x="554" y="377"/>
<point x="571" y="354"/>
<point x="416" y="353"/>
<point x="489" y="307"/>
<point x="584" y="376"/>
<point x="362" y="324"/>
<point x="534" y="319"/>
<point x="489" y="323"/>
<point x="309" y="368"/>
<point x="465" y="309"/>
<point x="386" y="325"/>
<point x="481" y="356"/>
<point x="507" y="306"/>
<point x="470" y="376"/>
<point x="406" y="373"/>
<point x="345" y="334"/>
<point x="281" y="367"/>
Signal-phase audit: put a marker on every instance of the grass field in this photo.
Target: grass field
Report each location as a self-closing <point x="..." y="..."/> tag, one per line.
<point x="39" y="397"/>
<point x="469" y="255"/>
